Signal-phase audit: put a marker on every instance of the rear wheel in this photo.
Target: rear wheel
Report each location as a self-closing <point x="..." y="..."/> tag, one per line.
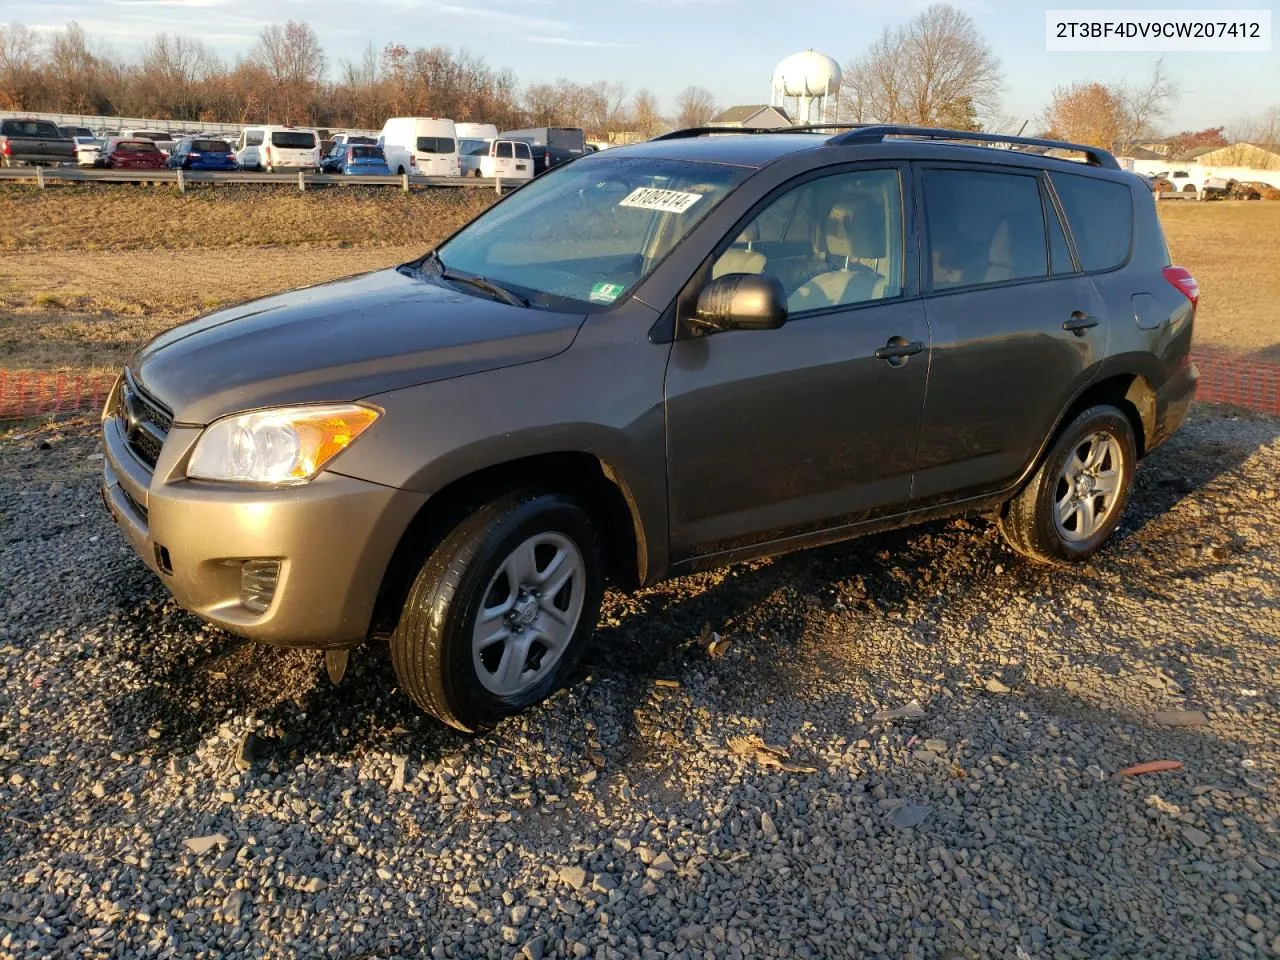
<point x="1075" y="501"/>
<point x="500" y="612"/>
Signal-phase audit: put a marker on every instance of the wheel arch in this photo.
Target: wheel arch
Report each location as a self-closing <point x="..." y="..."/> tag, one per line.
<point x="596" y="483"/>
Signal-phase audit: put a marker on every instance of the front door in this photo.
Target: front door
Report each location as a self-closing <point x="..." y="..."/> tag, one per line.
<point x="1017" y="330"/>
<point x="775" y="433"/>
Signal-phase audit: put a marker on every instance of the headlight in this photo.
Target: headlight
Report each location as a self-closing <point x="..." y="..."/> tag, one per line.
<point x="286" y="445"/>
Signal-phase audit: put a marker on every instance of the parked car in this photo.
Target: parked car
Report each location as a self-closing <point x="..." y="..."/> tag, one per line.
<point x="278" y="148"/>
<point x="424" y="145"/>
<point x="658" y="360"/>
<point x="34" y="143"/>
<point x="508" y="159"/>
<point x="356" y="160"/>
<point x="124" y="153"/>
<point x="1264" y="191"/>
<point x="202" y="154"/>
<point x="75" y="133"/>
<point x="88" y="149"/>
<point x="163" y="140"/>
<point x="353" y="139"/>
<point x="551" y="146"/>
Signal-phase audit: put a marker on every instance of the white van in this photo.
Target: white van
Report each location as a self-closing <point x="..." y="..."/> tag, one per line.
<point x="425" y="145"/>
<point x="278" y="148"/>
<point x="508" y="159"/>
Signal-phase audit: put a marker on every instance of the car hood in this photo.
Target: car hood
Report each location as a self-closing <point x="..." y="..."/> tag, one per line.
<point x="340" y="341"/>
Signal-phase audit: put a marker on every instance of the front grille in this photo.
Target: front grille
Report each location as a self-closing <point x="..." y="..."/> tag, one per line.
<point x="145" y="421"/>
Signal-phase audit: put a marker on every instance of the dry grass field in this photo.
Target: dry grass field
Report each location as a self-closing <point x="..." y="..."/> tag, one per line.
<point x="86" y="273"/>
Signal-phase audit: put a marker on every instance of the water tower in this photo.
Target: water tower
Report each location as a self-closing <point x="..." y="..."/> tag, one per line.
<point x="805" y="80"/>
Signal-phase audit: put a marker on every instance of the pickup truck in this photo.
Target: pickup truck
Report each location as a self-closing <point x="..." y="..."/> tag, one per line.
<point x="34" y="142"/>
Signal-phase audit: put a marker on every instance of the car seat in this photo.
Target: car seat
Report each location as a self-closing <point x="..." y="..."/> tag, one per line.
<point x="741" y="258"/>
<point x="853" y="233"/>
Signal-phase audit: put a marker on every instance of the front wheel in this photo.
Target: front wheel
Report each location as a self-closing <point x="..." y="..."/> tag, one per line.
<point x="1075" y="501"/>
<point x="500" y="612"/>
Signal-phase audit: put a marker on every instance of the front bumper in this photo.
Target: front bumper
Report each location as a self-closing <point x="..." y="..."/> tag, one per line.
<point x="333" y="537"/>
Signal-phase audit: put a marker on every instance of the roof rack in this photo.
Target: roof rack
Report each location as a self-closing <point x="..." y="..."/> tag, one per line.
<point x="690" y="132"/>
<point x="876" y="133"/>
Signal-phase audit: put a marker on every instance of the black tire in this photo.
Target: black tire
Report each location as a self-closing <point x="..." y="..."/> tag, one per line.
<point x="1028" y="520"/>
<point x="431" y="647"/>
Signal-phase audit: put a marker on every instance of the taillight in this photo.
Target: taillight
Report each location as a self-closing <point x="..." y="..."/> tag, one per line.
<point x="413" y="161"/>
<point x="6" y="149"/>
<point x="1187" y="285"/>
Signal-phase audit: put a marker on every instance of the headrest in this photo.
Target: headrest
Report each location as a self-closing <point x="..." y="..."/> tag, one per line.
<point x="855" y="228"/>
<point x="750" y="234"/>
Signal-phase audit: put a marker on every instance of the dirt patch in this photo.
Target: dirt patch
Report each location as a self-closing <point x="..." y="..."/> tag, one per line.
<point x="85" y="312"/>
<point x="128" y="217"/>
<point x="1233" y="248"/>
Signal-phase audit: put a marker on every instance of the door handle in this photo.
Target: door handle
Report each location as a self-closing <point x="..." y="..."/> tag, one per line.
<point x="1079" y="322"/>
<point x="898" y="349"/>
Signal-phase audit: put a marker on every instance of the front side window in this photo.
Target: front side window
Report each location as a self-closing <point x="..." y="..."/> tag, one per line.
<point x="1100" y="214"/>
<point x="831" y="242"/>
<point x="591" y="231"/>
<point x="983" y="228"/>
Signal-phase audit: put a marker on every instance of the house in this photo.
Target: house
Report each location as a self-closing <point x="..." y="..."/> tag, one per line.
<point x="1259" y="156"/>
<point x="752" y="115"/>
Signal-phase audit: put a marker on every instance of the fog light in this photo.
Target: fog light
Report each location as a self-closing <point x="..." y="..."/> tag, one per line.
<point x="258" y="580"/>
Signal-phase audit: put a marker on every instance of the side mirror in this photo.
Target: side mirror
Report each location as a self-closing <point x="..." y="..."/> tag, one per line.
<point x="740" y="301"/>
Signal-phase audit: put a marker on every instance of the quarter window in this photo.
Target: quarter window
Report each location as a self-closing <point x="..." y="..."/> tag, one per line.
<point x="983" y="228"/>
<point x="1100" y="214"/>
<point x="831" y="242"/>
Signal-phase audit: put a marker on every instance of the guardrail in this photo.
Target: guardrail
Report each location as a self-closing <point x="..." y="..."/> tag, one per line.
<point x="44" y="176"/>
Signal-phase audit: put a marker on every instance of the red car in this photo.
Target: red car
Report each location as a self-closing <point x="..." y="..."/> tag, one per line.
<point x="119" y="153"/>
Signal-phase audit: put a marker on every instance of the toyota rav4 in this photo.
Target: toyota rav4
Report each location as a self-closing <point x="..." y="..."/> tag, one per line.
<point x="658" y="359"/>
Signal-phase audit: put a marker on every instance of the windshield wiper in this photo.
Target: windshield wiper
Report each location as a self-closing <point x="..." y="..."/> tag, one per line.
<point x="480" y="283"/>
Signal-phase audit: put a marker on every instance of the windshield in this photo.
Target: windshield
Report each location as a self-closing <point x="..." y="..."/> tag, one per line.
<point x="591" y="231"/>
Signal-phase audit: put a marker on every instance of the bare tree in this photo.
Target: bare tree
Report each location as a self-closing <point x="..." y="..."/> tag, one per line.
<point x="695" y="106"/>
<point x="645" y="118"/>
<point x="19" y="65"/>
<point x="936" y="70"/>
<point x="174" y="69"/>
<point x="1089" y="113"/>
<point x="1145" y="104"/>
<point x="604" y="107"/>
<point x="292" y="57"/>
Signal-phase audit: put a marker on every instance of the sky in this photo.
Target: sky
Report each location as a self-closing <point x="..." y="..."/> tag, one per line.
<point x="727" y="46"/>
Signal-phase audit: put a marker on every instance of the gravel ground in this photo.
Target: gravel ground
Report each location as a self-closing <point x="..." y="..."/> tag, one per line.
<point x="907" y="746"/>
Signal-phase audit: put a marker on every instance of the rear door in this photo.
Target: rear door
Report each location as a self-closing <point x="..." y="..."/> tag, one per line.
<point x="1017" y="329"/>
<point x="437" y="156"/>
<point x="776" y="433"/>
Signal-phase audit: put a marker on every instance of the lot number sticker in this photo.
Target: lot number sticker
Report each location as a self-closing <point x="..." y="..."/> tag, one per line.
<point x="668" y="201"/>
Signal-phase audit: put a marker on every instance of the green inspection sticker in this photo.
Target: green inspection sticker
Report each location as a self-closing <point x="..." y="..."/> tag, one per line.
<point x="606" y="292"/>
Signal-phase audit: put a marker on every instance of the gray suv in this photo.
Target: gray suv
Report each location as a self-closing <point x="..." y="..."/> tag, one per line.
<point x="667" y="357"/>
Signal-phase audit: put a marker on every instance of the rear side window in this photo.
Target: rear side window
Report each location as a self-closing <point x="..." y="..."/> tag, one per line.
<point x="293" y="140"/>
<point x="983" y="228"/>
<point x="1100" y="215"/>
<point x="435" y="145"/>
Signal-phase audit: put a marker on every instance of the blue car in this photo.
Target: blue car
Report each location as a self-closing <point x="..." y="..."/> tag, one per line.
<point x="356" y="160"/>
<point x="198" y="153"/>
